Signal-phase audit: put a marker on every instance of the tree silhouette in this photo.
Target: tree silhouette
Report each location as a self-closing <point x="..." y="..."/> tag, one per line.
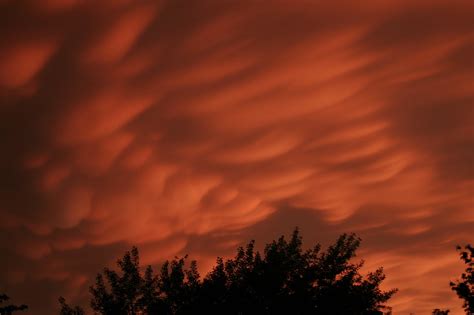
<point x="289" y="280"/>
<point x="123" y="292"/>
<point x="179" y="286"/>
<point x="464" y="287"/>
<point x="68" y="310"/>
<point x="129" y="292"/>
<point x="438" y="311"/>
<point x="9" y="309"/>
<point x="284" y="279"/>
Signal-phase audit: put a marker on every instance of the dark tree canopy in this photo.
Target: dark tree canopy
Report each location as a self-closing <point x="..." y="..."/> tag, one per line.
<point x="464" y="287"/>
<point x="438" y="311"/>
<point x="68" y="310"/>
<point x="289" y="280"/>
<point x="284" y="279"/>
<point x="9" y="309"/>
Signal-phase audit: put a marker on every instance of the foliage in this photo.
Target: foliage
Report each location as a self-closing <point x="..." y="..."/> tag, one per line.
<point x="438" y="311"/>
<point x="284" y="279"/>
<point x="128" y="292"/>
<point x="9" y="309"/>
<point x="122" y="296"/>
<point x="464" y="287"/>
<point x="68" y="310"/>
<point x="292" y="281"/>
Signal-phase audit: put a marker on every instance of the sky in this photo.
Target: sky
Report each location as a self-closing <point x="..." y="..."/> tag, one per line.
<point x="195" y="126"/>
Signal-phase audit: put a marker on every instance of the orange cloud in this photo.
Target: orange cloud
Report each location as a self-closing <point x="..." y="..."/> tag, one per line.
<point x="21" y="61"/>
<point x="120" y="35"/>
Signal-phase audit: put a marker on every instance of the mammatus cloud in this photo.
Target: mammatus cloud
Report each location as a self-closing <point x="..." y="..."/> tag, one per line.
<point x="193" y="126"/>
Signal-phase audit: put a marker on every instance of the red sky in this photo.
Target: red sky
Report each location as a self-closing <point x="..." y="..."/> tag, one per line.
<point x="194" y="126"/>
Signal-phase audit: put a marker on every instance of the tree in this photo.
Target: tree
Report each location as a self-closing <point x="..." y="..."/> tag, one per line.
<point x="9" y="309"/>
<point x="178" y="286"/>
<point x="464" y="287"/>
<point x="128" y="292"/>
<point x="122" y="292"/>
<point x="284" y="279"/>
<point x="68" y="310"/>
<point x="438" y="311"/>
<point x="289" y="280"/>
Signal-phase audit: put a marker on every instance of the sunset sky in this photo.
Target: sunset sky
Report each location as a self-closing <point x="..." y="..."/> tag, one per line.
<point x="191" y="127"/>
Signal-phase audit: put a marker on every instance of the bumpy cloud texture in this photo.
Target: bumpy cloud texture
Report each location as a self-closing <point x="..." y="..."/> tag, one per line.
<point x="193" y="126"/>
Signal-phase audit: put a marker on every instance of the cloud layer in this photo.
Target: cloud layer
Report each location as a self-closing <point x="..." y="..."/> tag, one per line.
<point x="192" y="126"/>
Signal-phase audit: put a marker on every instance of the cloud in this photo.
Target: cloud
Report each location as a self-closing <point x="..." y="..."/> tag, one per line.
<point x="21" y="62"/>
<point x="193" y="127"/>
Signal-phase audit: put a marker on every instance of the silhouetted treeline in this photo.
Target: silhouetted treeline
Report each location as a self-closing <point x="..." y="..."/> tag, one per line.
<point x="68" y="310"/>
<point x="10" y="308"/>
<point x="284" y="279"/>
<point x="464" y="287"/>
